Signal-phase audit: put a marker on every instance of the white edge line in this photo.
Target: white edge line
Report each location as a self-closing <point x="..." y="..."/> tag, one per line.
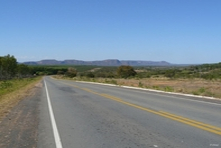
<point x="152" y="90"/>
<point x="53" y="122"/>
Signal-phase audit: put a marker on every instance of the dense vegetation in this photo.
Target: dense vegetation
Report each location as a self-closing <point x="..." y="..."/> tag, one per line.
<point x="181" y="79"/>
<point x="126" y="71"/>
<point x="9" y="68"/>
<point x="205" y="71"/>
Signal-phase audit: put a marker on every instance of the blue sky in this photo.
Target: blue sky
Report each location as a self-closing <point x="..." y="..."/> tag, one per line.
<point x="176" y="31"/>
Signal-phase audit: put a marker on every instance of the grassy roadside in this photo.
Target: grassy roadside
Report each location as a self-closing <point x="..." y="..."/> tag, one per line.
<point x="202" y="87"/>
<point x="13" y="91"/>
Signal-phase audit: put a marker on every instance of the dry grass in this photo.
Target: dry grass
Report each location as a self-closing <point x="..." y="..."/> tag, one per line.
<point x="188" y="86"/>
<point x="9" y="99"/>
<point x="194" y="86"/>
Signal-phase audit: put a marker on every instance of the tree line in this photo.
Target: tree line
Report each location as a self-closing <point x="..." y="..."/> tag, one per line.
<point x="10" y="68"/>
<point x="205" y="71"/>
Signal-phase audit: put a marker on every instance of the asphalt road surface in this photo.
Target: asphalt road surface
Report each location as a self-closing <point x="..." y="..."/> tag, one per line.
<point x="83" y="115"/>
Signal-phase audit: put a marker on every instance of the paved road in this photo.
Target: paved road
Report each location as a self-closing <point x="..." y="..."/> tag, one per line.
<point x="86" y="115"/>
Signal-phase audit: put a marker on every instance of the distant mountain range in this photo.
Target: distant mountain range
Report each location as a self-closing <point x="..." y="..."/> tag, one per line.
<point x="110" y="62"/>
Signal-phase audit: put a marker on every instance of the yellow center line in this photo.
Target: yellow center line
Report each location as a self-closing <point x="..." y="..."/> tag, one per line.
<point x="200" y="125"/>
<point x="110" y="97"/>
<point x="193" y="121"/>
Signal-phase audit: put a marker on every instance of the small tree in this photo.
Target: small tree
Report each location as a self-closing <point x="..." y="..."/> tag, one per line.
<point x="170" y="73"/>
<point x="90" y="75"/>
<point x="126" y="71"/>
<point x="22" y="70"/>
<point x="72" y="72"/>
<point x="8" y="66"/>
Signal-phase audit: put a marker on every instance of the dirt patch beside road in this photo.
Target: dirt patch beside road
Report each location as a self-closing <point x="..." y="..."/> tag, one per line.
<point x="18" y="129"/>
<point x="8" y="101"/>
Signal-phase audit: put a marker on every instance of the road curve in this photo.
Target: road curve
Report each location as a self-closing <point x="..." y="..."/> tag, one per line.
<point x="97" y="116"/>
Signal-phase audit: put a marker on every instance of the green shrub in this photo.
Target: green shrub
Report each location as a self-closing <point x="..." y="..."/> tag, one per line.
<point x="168" y="89"/>
<point x="5" y="84"/>
<point x="202" y="90"/>
<point x="140" y="84"/>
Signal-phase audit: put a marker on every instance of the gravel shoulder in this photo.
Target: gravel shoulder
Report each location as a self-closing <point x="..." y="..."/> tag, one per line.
<point x="19" y="128"/>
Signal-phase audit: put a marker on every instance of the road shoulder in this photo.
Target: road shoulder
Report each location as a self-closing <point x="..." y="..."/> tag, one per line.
<point x="19" y="128"/>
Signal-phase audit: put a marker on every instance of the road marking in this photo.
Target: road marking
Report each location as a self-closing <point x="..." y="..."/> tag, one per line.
<point x="192" y="121"/>
<point x="110" y="97"/>
<point x="181" y="119"/>
<point x="200" y="125"/>
<point x="164" y="93"/>
<point x="180" y="98"/>
<point x="53" y="122"/>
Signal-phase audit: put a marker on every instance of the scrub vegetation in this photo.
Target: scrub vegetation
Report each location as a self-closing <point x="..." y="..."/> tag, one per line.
<point x="16" y="83"/>
<point x="14" y="90"/>
<point x="202" y="79"/>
